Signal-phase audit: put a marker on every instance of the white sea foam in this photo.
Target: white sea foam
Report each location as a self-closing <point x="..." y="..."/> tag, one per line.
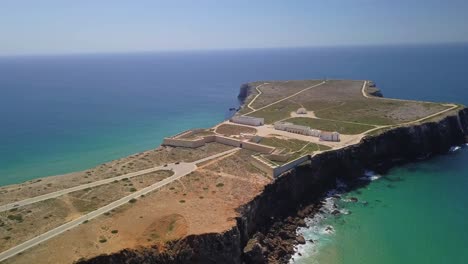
<point x="370" y="176"/>
<point x="344" y="211"/>
<point x="317" y="230"/>
<point x="454" y="148"/>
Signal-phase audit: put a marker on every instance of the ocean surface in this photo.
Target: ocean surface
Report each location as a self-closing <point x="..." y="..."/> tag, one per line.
<point x="60" y="114"/>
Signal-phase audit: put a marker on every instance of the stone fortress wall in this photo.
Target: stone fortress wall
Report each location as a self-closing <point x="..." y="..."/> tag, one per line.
<point x="269" y="169"/>
<point x="290" y="165"/>
<point x="263" y="166"/>
<point x="177" y="141"/>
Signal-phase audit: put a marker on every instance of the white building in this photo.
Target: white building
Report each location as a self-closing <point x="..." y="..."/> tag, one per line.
<point x="248" y="120"/>
<point x="297" y="129"/>
<point x="301" y="111"/>
<point x="330" y="136"/>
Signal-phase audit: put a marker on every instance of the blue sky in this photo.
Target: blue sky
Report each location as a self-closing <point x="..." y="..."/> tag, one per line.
<point x="88" y="26"/>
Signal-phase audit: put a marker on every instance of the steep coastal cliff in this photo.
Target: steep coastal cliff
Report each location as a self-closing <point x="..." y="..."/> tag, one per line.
<point x="244" y="92"/>
<point x="300" y="187"/>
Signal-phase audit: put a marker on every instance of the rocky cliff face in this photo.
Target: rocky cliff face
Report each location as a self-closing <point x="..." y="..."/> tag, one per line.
<point x="199" y="249"/>
<point x="302" y="186"/>
<point x="245" y="91"/>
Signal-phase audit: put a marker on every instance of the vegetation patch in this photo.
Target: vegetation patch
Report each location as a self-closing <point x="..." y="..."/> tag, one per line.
<point x="275" y="112"/>
<point x="331" y="125"/>
<point x="17" y="217"/>
<point x="290" y="145"/>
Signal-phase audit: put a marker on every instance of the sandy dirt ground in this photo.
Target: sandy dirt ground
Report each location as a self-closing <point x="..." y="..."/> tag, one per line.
<point x="21" y="224"/>
<point x="136" y="162"/>
<point x="173" y="212"/>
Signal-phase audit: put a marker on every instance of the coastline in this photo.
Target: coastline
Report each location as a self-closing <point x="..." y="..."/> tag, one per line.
<point x="265" y="228"/>
<point x="286" y="202"/>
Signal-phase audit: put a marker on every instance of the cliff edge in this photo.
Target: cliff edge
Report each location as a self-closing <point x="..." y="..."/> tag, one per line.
<point x="302" y="186"/>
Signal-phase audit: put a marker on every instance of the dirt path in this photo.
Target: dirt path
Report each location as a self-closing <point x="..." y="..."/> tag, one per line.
<point x="180" y="170"/>
<point x="286" y="98"/>
<point x="259" y="93"/>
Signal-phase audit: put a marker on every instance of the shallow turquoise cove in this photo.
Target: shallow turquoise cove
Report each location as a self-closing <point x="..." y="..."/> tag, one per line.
<point x="415" y="214"/>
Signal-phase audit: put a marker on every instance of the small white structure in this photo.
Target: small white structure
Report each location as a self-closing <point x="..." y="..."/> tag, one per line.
<point x="301" y="111"/>
<point x="297" y="129"/>
<point x="248" y="120"/>
<point x="330" y="136"/>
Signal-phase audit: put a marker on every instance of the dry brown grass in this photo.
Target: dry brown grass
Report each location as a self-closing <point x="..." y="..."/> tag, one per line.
<point x="23" y="223"/>
<point x="343" y="101"/>
<point x="136" y="162"/>
<point x="276" y="90"/>
<point x="160" y="216"/>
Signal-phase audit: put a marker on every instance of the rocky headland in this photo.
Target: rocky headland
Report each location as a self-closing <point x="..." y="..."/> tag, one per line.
<point x="266" y="226"/>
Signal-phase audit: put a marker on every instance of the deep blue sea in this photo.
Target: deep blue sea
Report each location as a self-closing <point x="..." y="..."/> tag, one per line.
<point x="61" y="114"/>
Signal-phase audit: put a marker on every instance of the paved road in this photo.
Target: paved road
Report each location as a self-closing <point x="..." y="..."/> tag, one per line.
<point x="180" y="170"/>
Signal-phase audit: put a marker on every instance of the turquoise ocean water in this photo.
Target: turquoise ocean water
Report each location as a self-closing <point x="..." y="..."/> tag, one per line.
<point x="60" y="114"/>
<point x="414" y="214"/>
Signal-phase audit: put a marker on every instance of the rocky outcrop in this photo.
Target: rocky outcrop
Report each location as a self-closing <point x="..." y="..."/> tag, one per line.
<point x="269" y="213"/>
<point x="245" y="91"/>
<point x="373" y="91"/>
<point x="199" y="249"/>
<point x="308" y="183"/>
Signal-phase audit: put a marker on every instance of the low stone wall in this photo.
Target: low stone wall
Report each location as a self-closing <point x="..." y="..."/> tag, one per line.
<point x="262" y="166"/>
<point x="176" y="142"/>
<point x="183" y="133"/>
<point x="274" y="172"/>
<point x="291" y="165"/>
<point x="279" y="157"/>
<point x="189" y="133"/>
<point x="228" y="141"/>
<point x="257" y="147"/>
<point x="209" y="139"/>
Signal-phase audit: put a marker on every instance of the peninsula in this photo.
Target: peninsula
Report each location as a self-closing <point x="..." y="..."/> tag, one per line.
<point x="232" y="193"/>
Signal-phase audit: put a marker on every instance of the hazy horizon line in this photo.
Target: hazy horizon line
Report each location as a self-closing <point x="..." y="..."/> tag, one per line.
<point x="123" y="52"/>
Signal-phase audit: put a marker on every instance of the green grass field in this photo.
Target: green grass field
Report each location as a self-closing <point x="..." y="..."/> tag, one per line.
<point x="329" y="125"/>
<point x="298" y="147"/>
<point x="290" y="145"/>
<point x="343" y="101"/>
<point x="275" y="112"/>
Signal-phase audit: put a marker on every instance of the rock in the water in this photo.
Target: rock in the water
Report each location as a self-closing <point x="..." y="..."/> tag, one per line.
<point x="353" y="199"/>
<point x="300" y="240"/>
<point x="335" y="212"/>
<point x="254" y="252"/>
<point x="286" y="235"/>
<point x="301" y="223"/>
